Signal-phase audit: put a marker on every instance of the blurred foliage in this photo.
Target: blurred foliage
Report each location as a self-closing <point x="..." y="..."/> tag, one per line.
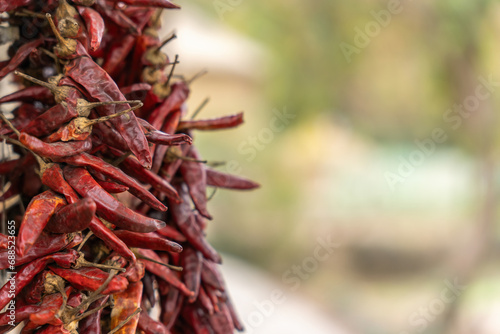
<point x="395" y="89"/>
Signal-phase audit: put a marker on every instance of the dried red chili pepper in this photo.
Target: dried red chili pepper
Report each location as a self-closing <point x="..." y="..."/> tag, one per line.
<point x="37" y="215"/>
<point x="7" y="6"/>
<point x="211" y="276"/>
<point x="117" y="16"/>
<point x="95" y="26"/>
<point x="225" y="122"/>
<point x="45" y="244"/>
<point x="86" y="160"/>
<point x="132" y="167"/>
<point x="163" y="272"/>
<point x="107" y="206"/>
<point x="55" y="151"/>
<point x="30" y="94"/>
<point x="116" y="54"/>
<point x="112" y="187"/>
<point x="136" y="91"/>
<point x="87" y="278"/>
<point x="205" y="301"/>
<point x="151" y="326"/>
<point x="101" y="87"/>
<point x="21" y="54"/>
<point x="222" y="321"/>
<point x="127" y="305"/>
<point x="194" y="175"/>
<point x="171" y="306"/>
<point x="179" y="94"/>
<point x="223" y="180"/>
<point x="147" y="241"/>
<point x="191" y="261"/>
<point x="150" y="3"/>
<point x="185" y="221"/>
<point x="92" y="323"/>
<point x="171" y="233"/>
<point x="73" y="217"/>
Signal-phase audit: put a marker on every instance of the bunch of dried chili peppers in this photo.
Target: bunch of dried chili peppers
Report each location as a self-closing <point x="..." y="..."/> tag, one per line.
<point x="100" y="116"/>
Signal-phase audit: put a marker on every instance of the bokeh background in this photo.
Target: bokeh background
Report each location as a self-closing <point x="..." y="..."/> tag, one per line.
<point x="389" y="149"/>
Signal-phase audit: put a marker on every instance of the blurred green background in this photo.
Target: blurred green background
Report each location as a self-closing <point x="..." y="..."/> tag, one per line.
<point x="367" y="86"/>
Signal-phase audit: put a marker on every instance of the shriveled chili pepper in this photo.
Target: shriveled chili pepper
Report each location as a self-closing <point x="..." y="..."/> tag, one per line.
<point x="171" y="233"/>
<point x="132" y="167"/>
<point x="107" y="206"/>
<point x="22" y="313"/>
<point x="49" y="120"/>
<point x="219" y="179"/>
<point x="73" y="217"/>
<point x="222" y="321"/>
<point x="126" y="304"/>
<point x="163" y="272"/>
<point x="54" y="179"/>
<point x="92" y="323"/>
<point x="211" y="276"/>
<point x="22" y="278"/>
<point x="21" y="54"/>
<point x="101" y="87"/>
<point x="86" y="160"/>
<point x="7" y="6"/>
<point x="225" y="122"/>
<point x="87" y="278"/>
<point x="186" y="223"/>
<point x="191" y="261"/>
<point x="179" y="94"/>
<point x="150" y="326"/>
<point x="196" y="180"/>
<point x="37" y="215"/>
<point x="171" y="306"/>
<point x="150" y="3"/>
<point x="44" y="245"/>
<point x="169" y="127"/>
<point x="205" y="301"/>
<point x="112" y="187"/>
<point x="95" y="26"/>
<point x="115" y="57"/>
<point x="55" y="151"/>
<point x="147" y="241"/>
<point x="30" y="94"/>
<point x="116" y="16"/>
<point x="136" y="91"/>
<point x="23" y="116"/>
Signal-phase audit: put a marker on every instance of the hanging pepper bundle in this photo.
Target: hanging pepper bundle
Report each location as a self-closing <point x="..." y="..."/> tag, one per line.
<point x="99" y="116"/>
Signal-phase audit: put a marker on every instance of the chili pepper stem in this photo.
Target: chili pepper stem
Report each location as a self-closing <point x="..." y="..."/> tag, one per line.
<point x="196" y="76"/>
<point x="95" y="295"/>
<point x="124" y="322"/>
<point x="68" y="45"/>
<point x="140" y="256"/>
<point x="165" y="42"/>
<point x="9" y="124"/>
<point x="84" y="107"/>
<point x="200" y="108"/>
<point x="60" y="93"/>
<point x="86" y="314"/>
<point x="87" y="237"/>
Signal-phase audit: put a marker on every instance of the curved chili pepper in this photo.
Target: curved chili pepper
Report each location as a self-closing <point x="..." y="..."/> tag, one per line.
<point x="169" y="126"/>
<point x="186" y="223"/>
<point x="21" y="54"/>
<point x="126" y="303"/>
<point x="163" y="272"/>
<point x="205" y="301"/>
<point x="101" y="87"/>
<point x="87" y="278"/>
<point x="37" y="215"/>
<point x="191" y="261"/>
<point x="95" y="26"/>
<point x="22" y="313"/>
<point x="150" y="326"/>
<point x="73" y="217"/>
<point x="179" y="94"/>
<point x="171" y="233"/>
<point x="171" y="305"/>
<point x="147" y="241"/>
<point x="115" y="57"/>
<point x="92" y="323"/>
<point x="112" y="187"/>
<point x="223" y="180"/>
<point x="132" y="167"/>
<point x="107" y="205"/>
<point x="50" y="120"/>
<point x="112" y="241"/>
<point x="196" y="180"/>
<point x="224" y="122"/>
<point x="55" y="151"/>
<point x="30" y="94"/>
<point x="52" y="177"/>
<point x="87" y="160"/>
<point x="45" y="244"/>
